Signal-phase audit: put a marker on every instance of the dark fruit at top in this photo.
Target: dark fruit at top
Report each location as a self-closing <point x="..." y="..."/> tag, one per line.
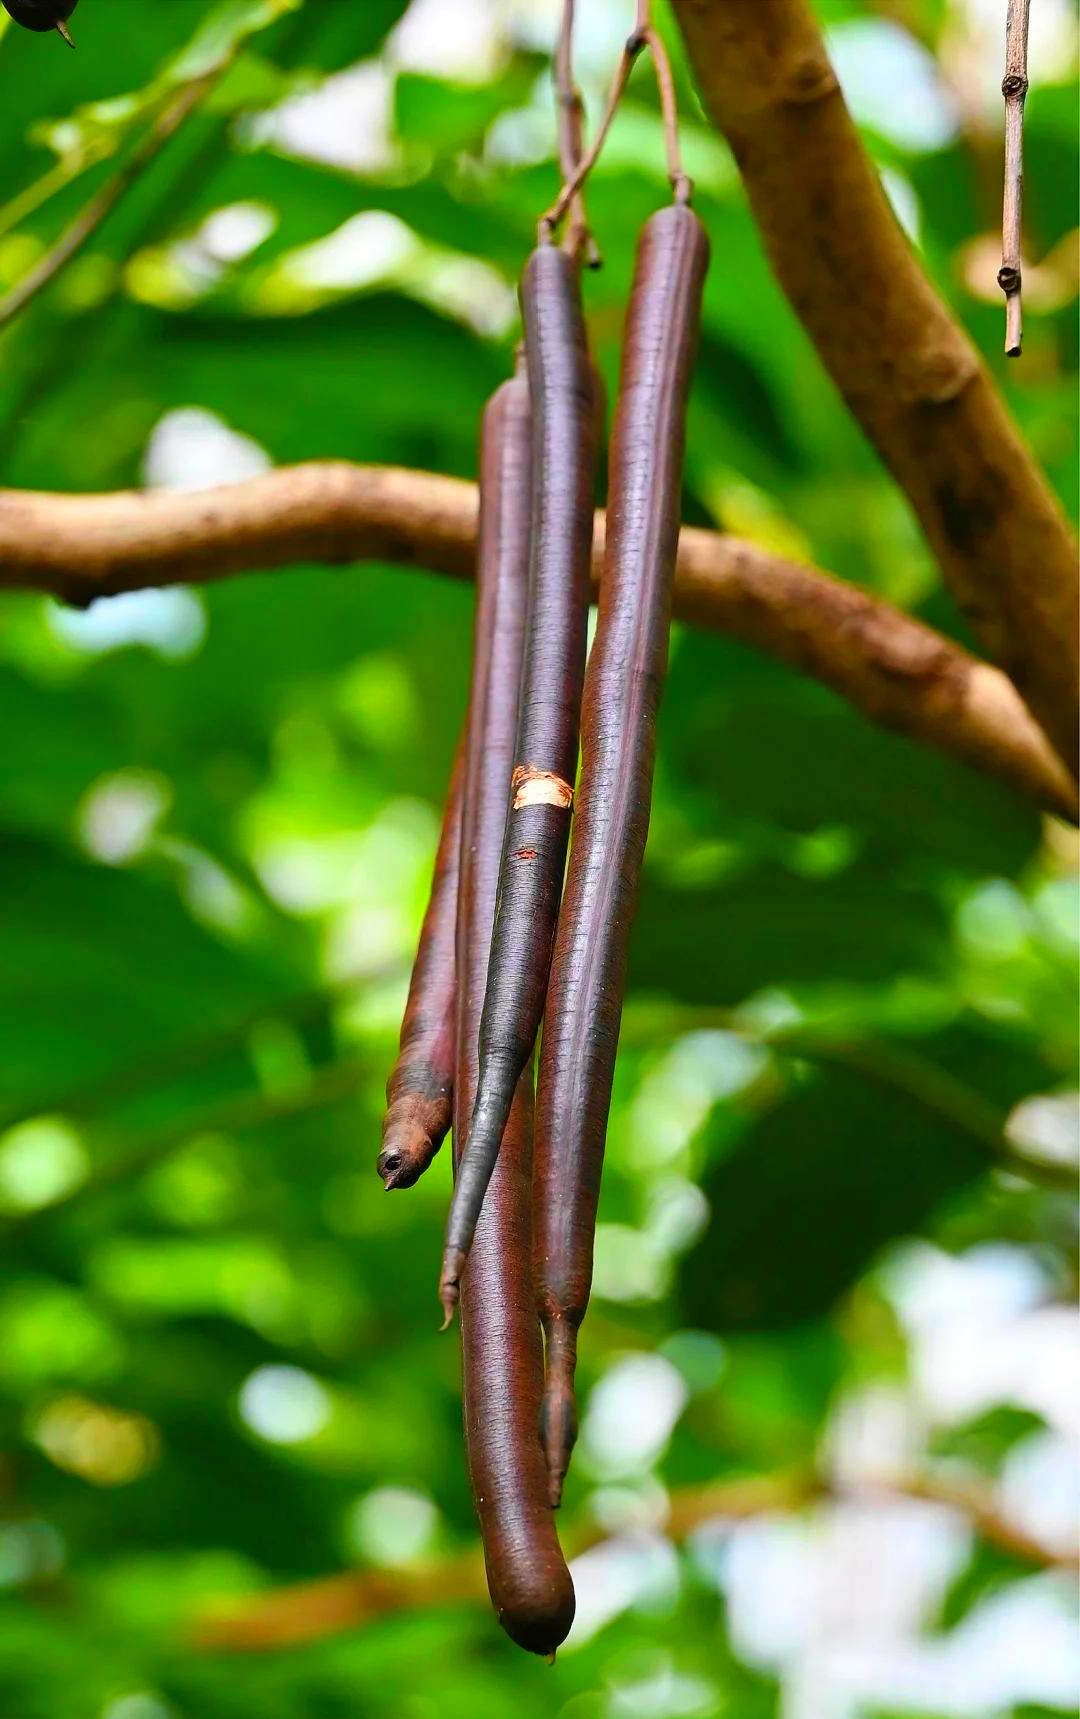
<point x="41" y="14"/>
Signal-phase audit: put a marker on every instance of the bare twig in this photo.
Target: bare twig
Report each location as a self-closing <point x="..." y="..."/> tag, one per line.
<point x="908" y="373"/>
<point x="578" y="240"/>
<point x="681" y="185"/>
<point x="894" y="669"/>
<point x="1014" y="87"/>
<point x="310" y="1611"/>
<point x="977" y="1502"/>
<point x="551" y="218"/>
<point x="103" y="202"/>
<point x="642" y="36"/>
<point x="59" y="175"/>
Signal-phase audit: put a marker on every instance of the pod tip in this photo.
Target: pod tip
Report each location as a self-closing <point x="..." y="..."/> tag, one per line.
<point x="388" y="1164"/>
<point x="448" y="1291"/>
<point x="396" y="1168"/>
<point x="66" y="33"/>
<point x="410" y="1141"/>
<point x="558" y="1422"/>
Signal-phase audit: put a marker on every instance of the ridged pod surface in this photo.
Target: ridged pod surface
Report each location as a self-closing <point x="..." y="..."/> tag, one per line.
<point x="419" y="1092"/>
<point x="502" y="1366"/>
<point x="623" y="685"/>
<point x="541" y="783"/>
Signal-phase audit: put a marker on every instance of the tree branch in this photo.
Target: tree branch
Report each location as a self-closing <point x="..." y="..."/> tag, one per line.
<point x="898" y="672"/>
<point x="309" y="1611"/>
<point x="894" y="1067"/>
<point x="906" y="370"/>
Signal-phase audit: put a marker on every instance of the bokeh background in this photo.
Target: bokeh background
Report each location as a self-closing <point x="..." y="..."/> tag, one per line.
<point x="831" y="1401"/>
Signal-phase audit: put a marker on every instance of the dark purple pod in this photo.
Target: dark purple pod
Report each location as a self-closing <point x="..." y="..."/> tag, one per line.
<point x="419" y="1092"/>
<point x="541" y="783"/>
<point x="502" y="1366"/>
<point x="625" y="678"/>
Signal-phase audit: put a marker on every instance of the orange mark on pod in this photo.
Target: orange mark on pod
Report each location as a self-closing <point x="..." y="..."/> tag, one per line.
<point x="524" y="853"/>
<point x="533" y="787"/>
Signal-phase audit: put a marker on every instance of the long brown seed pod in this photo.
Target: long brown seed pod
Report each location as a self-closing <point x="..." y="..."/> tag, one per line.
<point x="623" y="685"/>
<point x="528" y="1580"/>
<point x="541" y="784"/>
<point x="419" y="1092"/>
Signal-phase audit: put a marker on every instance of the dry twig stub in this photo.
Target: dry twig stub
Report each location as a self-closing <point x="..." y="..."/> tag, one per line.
<point x="1014" y="87"/>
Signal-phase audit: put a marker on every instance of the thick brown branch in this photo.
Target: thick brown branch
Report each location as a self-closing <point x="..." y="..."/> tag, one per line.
<point x="312" y="1610"/>
<point x="898" y="672"/>
<point x="908" y="373"/>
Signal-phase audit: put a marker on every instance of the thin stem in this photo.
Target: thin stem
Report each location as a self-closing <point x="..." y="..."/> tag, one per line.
<point x="578" y="240"/>
<point x="643" y="36"/>
<point x="1014" y="87"/>
<point x="90" y="218"/>
<point x="551" y="218"/>
<point x="59" y="175"/>
<point x="665" y="83"/>
<point x="78" y="336"/>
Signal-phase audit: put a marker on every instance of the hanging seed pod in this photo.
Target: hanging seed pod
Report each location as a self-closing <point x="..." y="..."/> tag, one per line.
<point x="623" y="685"/>
<point x="541" y="784"/>
<point x="419" y="1091"/>
<point x="502" y="1369"/>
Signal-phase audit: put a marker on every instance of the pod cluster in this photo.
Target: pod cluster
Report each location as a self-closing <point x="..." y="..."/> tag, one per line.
<point x="513" y="934"/>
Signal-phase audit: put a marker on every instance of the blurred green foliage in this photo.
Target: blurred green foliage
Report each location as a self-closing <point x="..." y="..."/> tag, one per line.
<point x="219" y="814"/>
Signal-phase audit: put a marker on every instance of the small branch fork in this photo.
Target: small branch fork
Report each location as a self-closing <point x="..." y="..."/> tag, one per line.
<point x="1014" y="87"/>
<point x="642" y="36"/>
<point x="578" y="241"/>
